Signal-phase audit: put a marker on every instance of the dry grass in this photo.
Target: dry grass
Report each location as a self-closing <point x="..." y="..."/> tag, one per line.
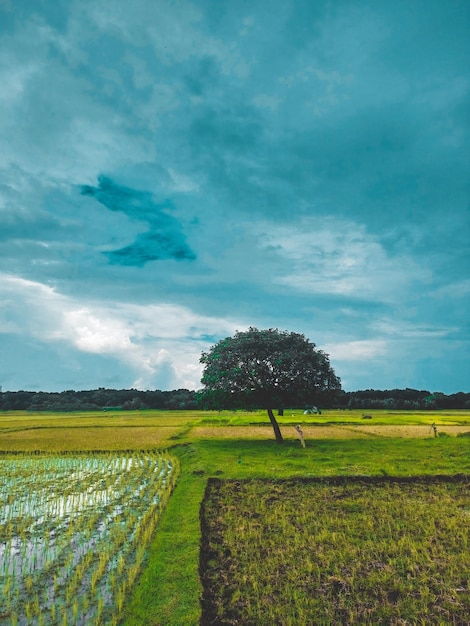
<point x="19" y="419"/>
<point x="231" y="432"/>
<point x="403" y="431"/>
<point x="87" y="439"/>
<point x="266" y="432"/>
<point x="322" y="432"/>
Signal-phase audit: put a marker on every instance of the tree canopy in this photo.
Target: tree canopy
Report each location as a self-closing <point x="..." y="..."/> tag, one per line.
<point x="266" y="369"/>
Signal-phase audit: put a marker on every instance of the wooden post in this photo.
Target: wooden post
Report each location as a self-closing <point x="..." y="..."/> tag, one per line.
<point x="301" y="434"/>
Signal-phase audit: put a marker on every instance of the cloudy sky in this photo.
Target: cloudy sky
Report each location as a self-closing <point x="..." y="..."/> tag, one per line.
<point x="172" y="171"/>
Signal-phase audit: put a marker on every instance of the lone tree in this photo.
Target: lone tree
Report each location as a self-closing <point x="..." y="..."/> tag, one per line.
<point x="266" y="369"/>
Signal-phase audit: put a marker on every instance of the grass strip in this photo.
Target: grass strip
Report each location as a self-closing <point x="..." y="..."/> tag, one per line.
<point x="168" y="592"/>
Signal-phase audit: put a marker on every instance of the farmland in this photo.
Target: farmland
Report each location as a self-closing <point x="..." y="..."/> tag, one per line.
<point x="349" y="551"/>
<point x="73" y="533"/>
<point x="227" y="445"/>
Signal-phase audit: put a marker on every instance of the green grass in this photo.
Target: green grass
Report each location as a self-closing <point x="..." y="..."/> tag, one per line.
<point x="168" y="591"/>
<point x="337" y="416"/>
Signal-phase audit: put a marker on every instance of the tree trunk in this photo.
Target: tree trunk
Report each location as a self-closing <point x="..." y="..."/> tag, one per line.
<point x="275" y="425"/>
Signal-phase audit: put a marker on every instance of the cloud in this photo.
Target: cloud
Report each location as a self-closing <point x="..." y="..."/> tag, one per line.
<point x="406" y="330"/>
<point x="365" y="350"/>
<point x="455" y="290"/>
<point x="165" y="240"/>
<point x="326" y="255"/>
<point x="151" y="247"/>
<point x="152" y="341"/>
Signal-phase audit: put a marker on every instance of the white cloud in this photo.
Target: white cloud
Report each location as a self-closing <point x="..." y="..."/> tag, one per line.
<point x="333" y="256"/>
<point x="458" y="289"/>
<point x="367" y="349"/>
<point x="145" y="338"/>
<point x="176" y="31"/>
<point x="405" y="330"/>
<point x="13" y="80"/>
<point x="182" y="183"/>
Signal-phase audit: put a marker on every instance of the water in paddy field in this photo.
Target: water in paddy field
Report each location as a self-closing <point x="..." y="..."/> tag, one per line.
<point x="70" y="527"/>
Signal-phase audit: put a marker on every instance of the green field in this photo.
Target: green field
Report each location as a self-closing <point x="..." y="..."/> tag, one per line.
<point x="239" y="445"/>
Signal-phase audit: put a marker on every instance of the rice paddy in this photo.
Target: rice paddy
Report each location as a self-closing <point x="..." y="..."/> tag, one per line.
<point x="73" y="533"/>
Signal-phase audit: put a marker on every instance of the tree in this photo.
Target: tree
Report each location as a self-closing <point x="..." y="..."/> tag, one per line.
<point x="266" y="369"/>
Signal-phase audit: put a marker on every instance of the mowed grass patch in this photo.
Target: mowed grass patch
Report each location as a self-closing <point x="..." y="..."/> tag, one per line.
<point x="336" y="551"/>
<point x="414" y="431"/>
<point x="260" y="431"/>
<point x="253" y="458"/>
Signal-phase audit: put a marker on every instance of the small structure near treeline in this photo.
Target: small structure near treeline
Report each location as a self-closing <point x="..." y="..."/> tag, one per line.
<point x="312" y="409"/>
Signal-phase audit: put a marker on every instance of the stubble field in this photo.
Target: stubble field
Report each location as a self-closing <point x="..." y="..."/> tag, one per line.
<point x="336" y="551"/>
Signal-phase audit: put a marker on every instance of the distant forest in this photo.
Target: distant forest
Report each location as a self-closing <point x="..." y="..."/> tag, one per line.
<point x="132" y="399"/>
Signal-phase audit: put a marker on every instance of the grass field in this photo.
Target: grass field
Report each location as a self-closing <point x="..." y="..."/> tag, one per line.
<point x="239" y="445"/>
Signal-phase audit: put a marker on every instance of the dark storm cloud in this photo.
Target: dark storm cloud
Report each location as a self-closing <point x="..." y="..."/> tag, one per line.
<point x="164" y="240"/>
<point x="151" y="247"/>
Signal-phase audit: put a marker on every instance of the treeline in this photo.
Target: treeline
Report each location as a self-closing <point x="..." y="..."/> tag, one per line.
<point x="407" y="399"/>
<point x="132" y="399"/>
<point x="98" y="399"/>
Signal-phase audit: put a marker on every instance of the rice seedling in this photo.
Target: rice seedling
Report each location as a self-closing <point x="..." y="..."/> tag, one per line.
<point x="76" y="528"/>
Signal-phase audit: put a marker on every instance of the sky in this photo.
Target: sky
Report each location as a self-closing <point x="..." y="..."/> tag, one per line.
<point x="172" y="171"/>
